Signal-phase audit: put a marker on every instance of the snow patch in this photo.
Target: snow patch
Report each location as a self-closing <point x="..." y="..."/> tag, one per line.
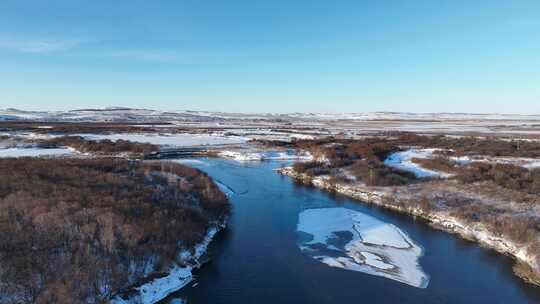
<point x="173" y="140"/>
<point x="266" y="155"/>
<point x="177" y="277"/>
<point x="528" y="163"/>
<point x="34" y="152"/>
<point x="403" y="161"/>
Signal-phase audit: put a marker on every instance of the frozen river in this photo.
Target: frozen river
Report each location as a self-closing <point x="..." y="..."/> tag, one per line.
<point x="273" y="251"/>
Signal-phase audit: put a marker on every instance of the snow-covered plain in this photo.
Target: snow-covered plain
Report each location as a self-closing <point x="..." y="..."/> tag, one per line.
<point x="266" y="155"/>
<point x="122" y="114"/>
<point x="29" y="135"/>
<point x="34" y="152"/>
<point x="355" y="241"/>
<point x="403" y="161"/>
<point x="287" y="127"/>
<point x="529" y="163"/>
<point x="172" y="140"/>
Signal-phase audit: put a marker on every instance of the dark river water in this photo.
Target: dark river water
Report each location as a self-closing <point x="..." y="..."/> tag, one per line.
<point x="256" y="259"/>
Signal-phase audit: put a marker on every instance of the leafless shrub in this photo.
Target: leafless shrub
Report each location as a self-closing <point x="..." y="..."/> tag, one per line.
<point x="71" y="227"/>
<point x="505" y="175"/>
<point x="102" y="146"/>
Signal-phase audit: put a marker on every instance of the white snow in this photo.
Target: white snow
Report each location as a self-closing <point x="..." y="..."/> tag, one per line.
<point x="177" y="277"/>
<point x="403" y="161"/>
<point x="302" y="136"/>
<point x="266" y="155"/>
<point x="529" y="163"/>
<point x="169" y="139"/>
<point x="34" y="152"/>
<point x="129" y="114"/>
<point x="533" y="165"/>
<point x="375" y="260"/>
<point x="31" y="135"/>
<point x="190" y="161"/>
<point x="158" y="289"/>
<point x="354" y="241"/>
<point x="372" y="232"/>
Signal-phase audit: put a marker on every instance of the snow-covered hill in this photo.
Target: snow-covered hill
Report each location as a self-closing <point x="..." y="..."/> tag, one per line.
<point x="120" y="114"/>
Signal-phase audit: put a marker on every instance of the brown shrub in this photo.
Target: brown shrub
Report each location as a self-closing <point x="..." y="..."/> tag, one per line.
<point x="375" y="173"/>
<point x="505" y="175"/>
<point x="437" y="163"/>
<point x="105" y="146"/>
<point x="75" y="231"/>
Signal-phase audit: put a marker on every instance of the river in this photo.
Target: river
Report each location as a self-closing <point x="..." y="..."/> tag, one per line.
<point x="257" y="258"/>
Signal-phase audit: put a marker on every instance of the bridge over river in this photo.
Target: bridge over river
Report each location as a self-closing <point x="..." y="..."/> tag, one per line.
<point x="180" y="152"/>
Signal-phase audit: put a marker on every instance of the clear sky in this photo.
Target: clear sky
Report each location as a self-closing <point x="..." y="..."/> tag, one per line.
<point x="272" y="56"/>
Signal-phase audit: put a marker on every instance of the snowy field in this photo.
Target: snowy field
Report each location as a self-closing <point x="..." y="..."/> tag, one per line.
<point x="528" y="163"/>
<point x="29" y="135"/>
<point x="34" y="152"/>
<point x="403" y="161"/>
<point x="354" y="241"/>
<point x="300" y="125"/>
<point x="129" y="114"/>
<point x="172" y="140"/>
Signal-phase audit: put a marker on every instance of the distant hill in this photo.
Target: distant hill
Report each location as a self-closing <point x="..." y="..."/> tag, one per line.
<point x="124" y="114"/>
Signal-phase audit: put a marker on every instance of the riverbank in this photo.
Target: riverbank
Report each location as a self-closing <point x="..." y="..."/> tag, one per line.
<point x="175" y="279"/>
<point x="526" y="265"/>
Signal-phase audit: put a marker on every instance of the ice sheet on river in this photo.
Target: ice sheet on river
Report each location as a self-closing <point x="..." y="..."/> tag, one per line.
<point x="355" y="241"/>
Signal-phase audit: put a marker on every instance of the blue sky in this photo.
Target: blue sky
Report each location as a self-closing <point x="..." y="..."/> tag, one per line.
<point x="272" y="56"/>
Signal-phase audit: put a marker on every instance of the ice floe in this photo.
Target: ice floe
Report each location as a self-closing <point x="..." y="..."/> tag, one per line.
<point x="403" y="161"/>
<point x="351" y="240"/>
